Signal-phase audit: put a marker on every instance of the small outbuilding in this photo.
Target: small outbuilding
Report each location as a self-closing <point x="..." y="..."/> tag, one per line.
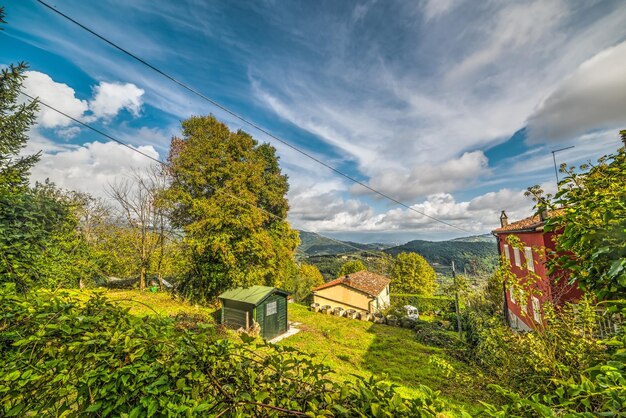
<point x="241" y="307"/>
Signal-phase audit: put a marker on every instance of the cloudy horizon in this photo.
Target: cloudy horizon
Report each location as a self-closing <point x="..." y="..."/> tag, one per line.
<point x="451" y="107"/>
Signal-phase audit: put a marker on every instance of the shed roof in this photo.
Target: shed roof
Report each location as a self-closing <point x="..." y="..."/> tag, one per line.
<point x="365" y="281"/>
<point x="253" y="295"/>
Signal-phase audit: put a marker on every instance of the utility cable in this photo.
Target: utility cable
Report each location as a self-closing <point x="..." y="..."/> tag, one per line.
<point x="167" y="165"/>
<point x="245" y="120"/>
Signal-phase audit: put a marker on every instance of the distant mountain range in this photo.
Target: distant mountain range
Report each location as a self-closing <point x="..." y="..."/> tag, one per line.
<point x="314" y="244"/>
<point x="473" y="252"/>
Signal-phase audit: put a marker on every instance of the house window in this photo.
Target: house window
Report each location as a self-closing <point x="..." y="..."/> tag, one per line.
<point x="271" y="309"/>
<point x="506" y="252"/>
<point x="528" y="254"/>
<point x="518" y="261"/>
<point x="536" y="310"/>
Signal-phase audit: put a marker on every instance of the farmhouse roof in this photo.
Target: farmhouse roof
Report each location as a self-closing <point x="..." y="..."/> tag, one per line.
<point x="253" y="295"/>
<point x="532" y="223"/>
<point x="365" y="281"/>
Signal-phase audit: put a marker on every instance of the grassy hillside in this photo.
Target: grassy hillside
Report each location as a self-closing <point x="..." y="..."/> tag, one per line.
<point x="148" y="303"/>
<point x="363" y="348"/>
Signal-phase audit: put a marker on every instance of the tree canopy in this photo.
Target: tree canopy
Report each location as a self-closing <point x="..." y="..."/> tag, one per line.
<point x="307" y="277"/>
<point x="590" y="210"/>
<point x="228" y="194"/>
<point x="412" y="274"/>
<point x="350" y="267"/>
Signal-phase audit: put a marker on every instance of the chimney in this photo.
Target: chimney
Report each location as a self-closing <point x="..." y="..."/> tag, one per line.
<point x="543" y="215"/>
<point x="504" y="220"/>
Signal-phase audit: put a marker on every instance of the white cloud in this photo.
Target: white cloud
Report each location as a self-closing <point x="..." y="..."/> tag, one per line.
<point x="332" y="214"/>
<point x="435" y="8"/>
<point x="398" y="119"/>
<point x="92" y="166"/>
<point x="69" y="132"/>
<point x="592" y="98"/>
<point x="110" y="98"/>
<point x="58" y="95"/>
<point x="427" y="178"/>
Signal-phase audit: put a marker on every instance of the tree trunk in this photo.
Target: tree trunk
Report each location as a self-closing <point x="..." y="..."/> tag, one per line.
<point x="142" y="279"/>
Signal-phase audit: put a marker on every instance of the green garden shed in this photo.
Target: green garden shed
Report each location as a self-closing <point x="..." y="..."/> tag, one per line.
<point x="263" y="304"/>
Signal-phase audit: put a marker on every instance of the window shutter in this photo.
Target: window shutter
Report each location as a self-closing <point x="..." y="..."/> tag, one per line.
<point x="528" y="254"/>
<point x="518" y="261"/>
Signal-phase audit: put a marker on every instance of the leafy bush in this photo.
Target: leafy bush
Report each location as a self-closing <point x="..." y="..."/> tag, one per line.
<point x="425" y="304"/>
<point x="70" y="358"/>
<point x="434" y="334"/>
<point x="529" y="362"/>
<point x="598" y="391"/>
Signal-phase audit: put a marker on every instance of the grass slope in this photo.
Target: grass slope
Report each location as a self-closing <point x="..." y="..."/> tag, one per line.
<point x="349" y="347"/>
<point x="358" y="347"/>
<point x="149" y="303"/>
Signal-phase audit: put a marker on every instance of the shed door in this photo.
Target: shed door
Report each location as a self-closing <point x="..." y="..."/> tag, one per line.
<point x="272" y="328"/>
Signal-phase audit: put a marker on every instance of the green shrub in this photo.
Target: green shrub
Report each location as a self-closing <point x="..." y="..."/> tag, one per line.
<point x="62" y="357"/>
<point x="430" y="333"/>
<point x="529" y="362"/>
<point x="597" y="391"/>
<point x="425" y="304"/>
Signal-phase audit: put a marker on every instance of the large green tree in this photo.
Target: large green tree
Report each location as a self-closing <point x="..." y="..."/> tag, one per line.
<point x="228" y="194"/>
<point x="15" y="121"/>
<point x="350" y="267"/>
<point x="412" y="274"/>
<point x="590" y="210"/>
<point x="307" y="277"/>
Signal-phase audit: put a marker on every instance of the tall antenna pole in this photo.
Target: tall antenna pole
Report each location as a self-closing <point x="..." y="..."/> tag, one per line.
<point x="556" y="172"/>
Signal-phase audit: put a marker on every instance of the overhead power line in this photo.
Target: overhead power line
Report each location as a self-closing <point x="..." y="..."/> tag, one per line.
<point x="167" y="165"/>
<point x="247" y="121"/>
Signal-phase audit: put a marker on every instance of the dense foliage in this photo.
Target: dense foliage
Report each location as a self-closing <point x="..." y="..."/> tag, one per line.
<point x="597" y="390"/>
<point x="429" y="305"/>
<point x="307" y="277"/>
<point x="40" y="244"/>
<point x="16" y="118"/>
<point x="592" y="218"/>
<point x="412" y="274"/>
<point x="218" y="181"/>
<point x="61" y="356"/>
<point x="350" y="267"/>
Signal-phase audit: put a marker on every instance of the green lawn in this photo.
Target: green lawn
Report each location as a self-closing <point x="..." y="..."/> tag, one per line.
<point x="349" y="347"/>
<point x="358" y="347"/>
<point x="149" y="303"/>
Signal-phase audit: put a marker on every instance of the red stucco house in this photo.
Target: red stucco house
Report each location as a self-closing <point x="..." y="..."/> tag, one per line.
<point x="525" y="311"/>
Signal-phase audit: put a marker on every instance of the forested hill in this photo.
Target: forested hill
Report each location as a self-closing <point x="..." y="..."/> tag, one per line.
<point x="473" y="253"/>
<point x="312" y="244"/>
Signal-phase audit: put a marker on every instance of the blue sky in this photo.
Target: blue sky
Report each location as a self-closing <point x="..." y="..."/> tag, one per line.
<point x="450" y="106"/>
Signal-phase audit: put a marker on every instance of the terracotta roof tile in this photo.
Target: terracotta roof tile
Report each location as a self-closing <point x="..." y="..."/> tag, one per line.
<point x="531" y="223"/>
<point x="365" y="281"/>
